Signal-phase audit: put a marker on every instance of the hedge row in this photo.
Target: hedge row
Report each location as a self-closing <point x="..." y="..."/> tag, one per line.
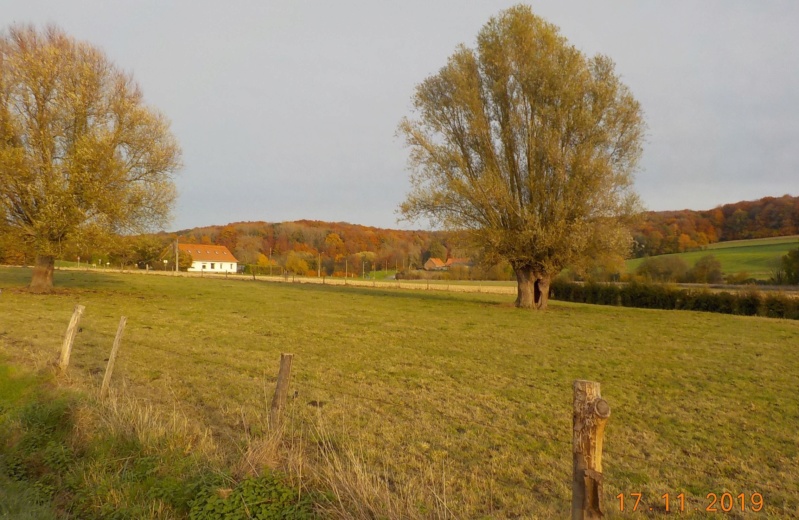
<point x="658" y="296"/>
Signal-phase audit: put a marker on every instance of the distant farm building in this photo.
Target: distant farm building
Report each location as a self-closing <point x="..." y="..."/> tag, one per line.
<point x="436" y="264"/>
<point x="457" y="262"/>
<point x="210" y="259"/>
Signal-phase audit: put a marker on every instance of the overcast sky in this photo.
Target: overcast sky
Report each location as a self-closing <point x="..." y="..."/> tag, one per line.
<point x="288" y="109"/>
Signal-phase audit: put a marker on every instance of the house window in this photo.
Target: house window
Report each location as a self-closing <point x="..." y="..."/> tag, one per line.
<point x="203" y="266"/>
<point x="212" y="265"/>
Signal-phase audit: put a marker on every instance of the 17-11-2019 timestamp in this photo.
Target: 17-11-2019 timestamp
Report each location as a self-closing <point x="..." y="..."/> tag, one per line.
<point x="714" y="502"/>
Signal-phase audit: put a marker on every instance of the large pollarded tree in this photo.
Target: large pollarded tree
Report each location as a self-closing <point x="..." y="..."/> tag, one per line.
<point x="80" y="152"/>
<point x="530" y="147"/>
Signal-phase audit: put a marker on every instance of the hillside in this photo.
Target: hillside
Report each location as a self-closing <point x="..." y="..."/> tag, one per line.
<point x="661" y="232"/>
<point x="757" y="258"/>
<point x="664" y="232"/>
<point x="339" y="247"/>
<point x="332" y="243"/>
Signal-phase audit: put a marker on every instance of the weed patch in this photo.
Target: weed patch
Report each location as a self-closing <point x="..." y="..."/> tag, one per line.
<point x="50" y="460"/>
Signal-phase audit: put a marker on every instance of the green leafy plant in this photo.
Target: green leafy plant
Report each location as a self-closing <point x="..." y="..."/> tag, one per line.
<point x="266" y="497"/>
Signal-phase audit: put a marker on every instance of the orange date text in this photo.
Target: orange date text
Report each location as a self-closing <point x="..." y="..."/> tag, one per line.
<point x="676" y="503"/>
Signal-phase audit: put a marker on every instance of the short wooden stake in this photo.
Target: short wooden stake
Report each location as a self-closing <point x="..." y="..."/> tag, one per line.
<point x="591" y="413"/>
<point x="281" y="390"/>
<point x="110" y="368"/>
<point x="69" y="338"/>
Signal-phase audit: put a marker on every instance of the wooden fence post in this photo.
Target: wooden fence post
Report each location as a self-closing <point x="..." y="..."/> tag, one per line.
<point x="591" y="413"/>
<point x="281" y="390"/>
<point x="69" y="338"/>
<point x="110" y="368"/>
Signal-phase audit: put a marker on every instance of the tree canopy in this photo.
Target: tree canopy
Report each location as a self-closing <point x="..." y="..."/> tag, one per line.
<point x="790" y="267"/>
<point x="81" y="154"/>
<point x="528" y="146"/>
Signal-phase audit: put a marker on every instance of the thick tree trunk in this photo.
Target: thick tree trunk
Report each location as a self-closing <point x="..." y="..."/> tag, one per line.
<point x="525" y="297"/>
<point x="533" y="289"/>
<point x="542" y="291"/>
<point x="42" y="281"/>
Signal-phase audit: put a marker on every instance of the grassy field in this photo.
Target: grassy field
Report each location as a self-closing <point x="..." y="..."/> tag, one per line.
<point x="758" y="257"/>
<point x="436" y="405"/>
<point x="18" y="500"/>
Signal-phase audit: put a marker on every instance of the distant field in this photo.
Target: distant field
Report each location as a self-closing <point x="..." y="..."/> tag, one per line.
<point x="454" y="399"/>
<point x="758" y="257"/>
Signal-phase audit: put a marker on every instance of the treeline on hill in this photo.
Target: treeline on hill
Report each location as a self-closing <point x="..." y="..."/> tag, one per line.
<point x="664" y="232"/>
<point x="336" y="248"/>
<point x="302" y="247"/>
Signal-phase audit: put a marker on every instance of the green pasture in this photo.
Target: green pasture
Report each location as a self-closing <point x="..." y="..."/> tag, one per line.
<point x="18" y="500"/>
<point x="758" y="257"/>
<point x="445" y="398"/>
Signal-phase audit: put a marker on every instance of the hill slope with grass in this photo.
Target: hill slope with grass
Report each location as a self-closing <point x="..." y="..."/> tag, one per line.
<point x="425" y="404"/>
<point x="757" y="257"/>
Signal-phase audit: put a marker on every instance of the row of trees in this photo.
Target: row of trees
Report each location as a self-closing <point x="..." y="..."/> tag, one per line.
<point x="329" y="247"/>
<point x="707" y="269"/>
<point x="335" y="242"/>
<point x="674" y="269"/>
<point x="301" y="247"/>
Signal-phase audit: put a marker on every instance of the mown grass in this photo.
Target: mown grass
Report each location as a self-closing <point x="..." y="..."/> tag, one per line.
<point x="757" y="257"/>
<point x="439" y="404"/>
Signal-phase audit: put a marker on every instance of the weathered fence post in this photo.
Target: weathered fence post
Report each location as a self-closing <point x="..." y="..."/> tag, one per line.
<point x="281" y="390"/>
<point x="591" y="413"/>
<point x="69" y="338"/>
<point x="112" y="358"/>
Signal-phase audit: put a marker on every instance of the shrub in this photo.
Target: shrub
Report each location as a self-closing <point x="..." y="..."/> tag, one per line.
<point x="608" y="295"/>
<point x="725" y="302"/>
<point x="649" y="296"/>
<point x="790" y="266"/>
<point x="706" y="270"/>
<point x="747" y="303"/>
<point x="578" y="293"/>
<point x="659" y="296"/>
<point x="662" y="268"/>
<point x="777" y="306"/>
<point x="701" y="301"/>
<point x="792" y="310"/>
<point x="739" y="278"/>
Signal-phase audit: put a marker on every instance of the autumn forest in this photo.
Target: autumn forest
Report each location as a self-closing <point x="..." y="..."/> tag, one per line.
<point x="349" y="248"/>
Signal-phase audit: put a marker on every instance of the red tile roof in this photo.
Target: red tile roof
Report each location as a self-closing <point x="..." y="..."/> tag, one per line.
<point x="208" y="253"/>
<point x="457" y="261"/>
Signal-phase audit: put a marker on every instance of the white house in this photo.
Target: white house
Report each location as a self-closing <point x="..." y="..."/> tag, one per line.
<point x="210" y="259"/>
